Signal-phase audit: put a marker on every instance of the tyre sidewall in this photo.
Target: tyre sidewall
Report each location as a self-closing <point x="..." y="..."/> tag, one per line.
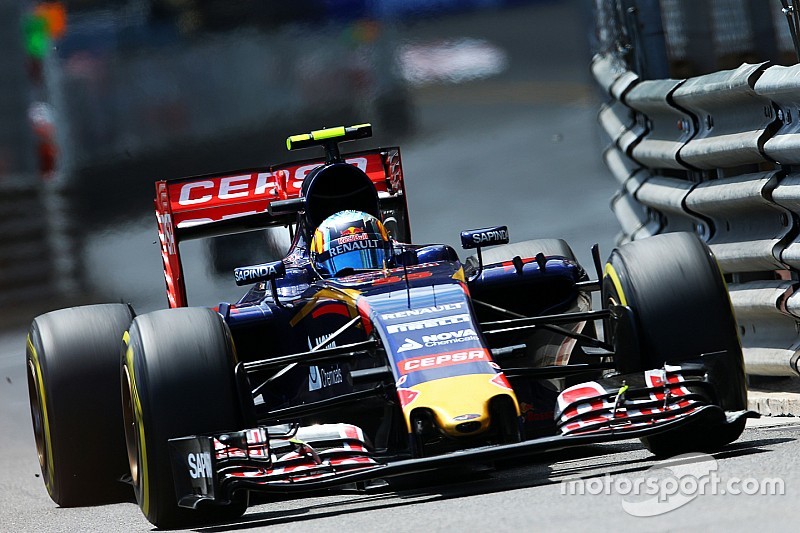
<point x="72" y="363"/>
<point x="181" y="362"/>
<point x="680" y="305"/>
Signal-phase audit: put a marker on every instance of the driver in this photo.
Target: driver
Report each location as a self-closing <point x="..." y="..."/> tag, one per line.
<point x="348" y="242"/>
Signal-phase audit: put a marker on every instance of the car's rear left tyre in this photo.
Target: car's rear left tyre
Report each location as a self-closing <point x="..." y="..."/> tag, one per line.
<point x="680" y="310"/>
<point x="543" y="345"/>
<point x="177" y="380"/>
<point x="73" y="385"/>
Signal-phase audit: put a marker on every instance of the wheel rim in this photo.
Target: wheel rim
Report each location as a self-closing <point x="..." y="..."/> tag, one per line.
<point x="131" y="427"/>
<point x="37" y="417"/>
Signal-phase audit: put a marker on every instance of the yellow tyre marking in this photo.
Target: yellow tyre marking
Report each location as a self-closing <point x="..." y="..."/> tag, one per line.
<point x="138" y="418"/>
<point x="612" y="274"/>
<point x="43" y="402"/>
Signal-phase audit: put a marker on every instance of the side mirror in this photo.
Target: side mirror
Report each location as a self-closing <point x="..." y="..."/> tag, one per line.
<point x="263" y="272"/>
<point x="286" y="207"/>
<point x="478" y="238"/>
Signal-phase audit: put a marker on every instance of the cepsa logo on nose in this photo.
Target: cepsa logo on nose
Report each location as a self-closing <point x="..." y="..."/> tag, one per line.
<point x="428" y="362"/>
<point x="247" y="185"/>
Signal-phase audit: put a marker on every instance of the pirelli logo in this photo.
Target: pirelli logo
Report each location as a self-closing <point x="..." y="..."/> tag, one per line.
<point x="429" y="362"/>
<point x="428" y="323"/>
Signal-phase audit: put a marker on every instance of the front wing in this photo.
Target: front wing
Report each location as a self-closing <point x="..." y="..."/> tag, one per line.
<point x="209" y="469"/>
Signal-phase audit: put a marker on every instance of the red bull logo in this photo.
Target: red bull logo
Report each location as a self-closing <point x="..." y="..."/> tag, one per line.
<point x="352" y="234"/>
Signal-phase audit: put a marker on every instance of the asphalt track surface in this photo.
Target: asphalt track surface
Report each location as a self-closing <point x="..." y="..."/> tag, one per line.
<point x="519" y="149"/>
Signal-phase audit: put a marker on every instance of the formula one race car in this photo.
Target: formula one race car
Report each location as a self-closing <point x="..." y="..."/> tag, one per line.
<point x="359" y="356"/>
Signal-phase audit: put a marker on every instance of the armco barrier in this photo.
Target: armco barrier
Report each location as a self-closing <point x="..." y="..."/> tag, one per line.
<point x="714" y="154"/>
<point x="731" y="119"/>
<point x="663" y="141"/>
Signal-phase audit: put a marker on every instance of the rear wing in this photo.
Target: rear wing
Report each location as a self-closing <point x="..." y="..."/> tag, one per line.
<point x="239" y="201"/>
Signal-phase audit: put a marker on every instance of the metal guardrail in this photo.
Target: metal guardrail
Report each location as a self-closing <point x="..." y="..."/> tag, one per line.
<point x="715" y="154"/>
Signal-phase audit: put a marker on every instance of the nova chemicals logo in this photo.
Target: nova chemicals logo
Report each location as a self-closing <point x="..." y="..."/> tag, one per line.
<point x="409" y="344"/>
<point x="314" y="381"/>
<point x="319" y="377"/>
<point x="450" y="337"/>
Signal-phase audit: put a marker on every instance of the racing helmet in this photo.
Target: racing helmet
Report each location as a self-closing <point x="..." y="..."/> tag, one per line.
<point x="350" y="240"/>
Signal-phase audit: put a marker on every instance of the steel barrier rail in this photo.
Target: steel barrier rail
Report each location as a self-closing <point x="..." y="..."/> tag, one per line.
<point x="667" y="196"/>
<point x="632" y="216"/>
<point x="619" y="122"/>
<point x="668" y="127"/>
<point x="621" y="167"/>
<point x="697" y="154"/>
<point x="787" y="195"/>
<point x="732" y="120"/>
<point x="765" y="327"/>
<point x="748" y="227"/>
<point x="782" y="86"/>
<point x="612" y="76"/>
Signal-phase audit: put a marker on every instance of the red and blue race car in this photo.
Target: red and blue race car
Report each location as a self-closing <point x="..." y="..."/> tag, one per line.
<point x="361" y="356"/>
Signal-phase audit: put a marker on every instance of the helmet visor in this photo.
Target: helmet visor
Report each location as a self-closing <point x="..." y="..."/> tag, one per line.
<point x="371" y="252"/>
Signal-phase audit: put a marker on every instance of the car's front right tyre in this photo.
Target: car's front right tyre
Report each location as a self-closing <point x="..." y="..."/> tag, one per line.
<point x="680" y="310"/>
<point x="177" y="380"/>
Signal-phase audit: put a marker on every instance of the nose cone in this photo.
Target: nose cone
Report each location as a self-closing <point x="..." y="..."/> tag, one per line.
<point x="460" y="404"/>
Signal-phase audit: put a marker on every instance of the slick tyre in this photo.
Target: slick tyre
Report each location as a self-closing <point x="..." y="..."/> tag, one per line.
<point x="177" y="380"/>
<point x="680" y="309"/>
<point x="72" y="361"/>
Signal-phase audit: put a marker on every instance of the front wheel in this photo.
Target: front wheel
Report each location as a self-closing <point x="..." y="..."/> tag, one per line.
<point x="679" y="310"/>
<point x="73" y="386"/>
<point x="177" y="381"/>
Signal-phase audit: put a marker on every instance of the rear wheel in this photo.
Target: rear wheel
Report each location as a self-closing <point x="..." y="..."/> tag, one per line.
<point x="543" y="347"/>
<point x="177" y="380"/>
<point x="680" y="310"/>
<point x="73" y="385"/>
<point x="505" y="421"/>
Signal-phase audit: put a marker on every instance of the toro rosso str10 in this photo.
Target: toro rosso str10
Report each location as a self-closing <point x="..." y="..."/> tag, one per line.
<point x="361" y="356"/>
